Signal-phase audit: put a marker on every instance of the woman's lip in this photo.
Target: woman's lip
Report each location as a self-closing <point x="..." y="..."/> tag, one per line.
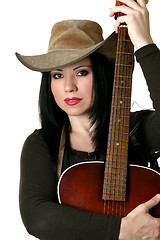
<point x="72" y="101"/>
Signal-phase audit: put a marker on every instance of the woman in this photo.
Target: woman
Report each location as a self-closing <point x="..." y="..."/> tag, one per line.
<point x="76" y="87"/>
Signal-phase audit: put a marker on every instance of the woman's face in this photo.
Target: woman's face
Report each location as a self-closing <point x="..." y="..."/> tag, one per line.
<point x="71" y="87"/>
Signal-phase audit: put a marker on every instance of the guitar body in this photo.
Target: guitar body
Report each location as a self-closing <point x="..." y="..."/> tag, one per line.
<point x="81" y="185"/>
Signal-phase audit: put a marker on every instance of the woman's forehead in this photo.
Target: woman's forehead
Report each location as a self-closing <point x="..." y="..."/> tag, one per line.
<point x="82" y="63"/>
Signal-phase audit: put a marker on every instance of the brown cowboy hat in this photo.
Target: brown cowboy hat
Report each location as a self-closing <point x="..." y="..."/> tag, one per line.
<point x="71" y="41"/>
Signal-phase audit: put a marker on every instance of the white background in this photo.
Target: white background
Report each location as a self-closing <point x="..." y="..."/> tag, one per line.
<point x="25" y="27"/>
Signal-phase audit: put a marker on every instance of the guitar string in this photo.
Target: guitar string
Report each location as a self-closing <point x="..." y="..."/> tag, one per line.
<point x="108" y="157"/>
<point x="120" y="50"/>
<point x="122" y="115"/>
<point x="112" y="202"/>
<point x="121" y="32"/>
<point x="124" y="31"/>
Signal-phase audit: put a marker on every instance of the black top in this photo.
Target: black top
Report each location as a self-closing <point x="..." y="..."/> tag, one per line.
<point x="42" y="215"/>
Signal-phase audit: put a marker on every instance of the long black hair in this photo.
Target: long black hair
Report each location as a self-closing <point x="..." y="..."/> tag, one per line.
<point x="53" y="118"/>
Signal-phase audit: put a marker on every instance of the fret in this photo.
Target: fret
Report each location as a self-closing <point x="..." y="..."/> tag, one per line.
<point x="110" y="197"/>
<point x="124" y="40"/>
<point x="119" y="125"/>
<point x="116" y="130"/>
<point x="116" y="156"/>
<point x="122" y="87"/>
<point x="122" y="107"/>
<point x="122" y="104"/>
<point x="118" y="148"/>
<point x="118" y="138"/>
<point x="116" y="193"/>
<point x="120" y="141"/>
<point x="117" y="171"/>
<point x="123" y="65"/>
<point x="115" y="189"/>
<point x="119" y="186"/>
<point x="121" y="97"/>
<point x="115" y="152"/>
<point x="119" y="133"/>
<point x="122" y="125"/>
<point x="116" y="174"/>
<point x="117" y="197"/>
<point x="119" y="183"/>
<point x="120" y="110"/>
<point x="121" y="69"/>
<point x="120" y="122"/>
<point x="118" y="189"/>
<point x="125" y="53"/>
<point x="114" y="161"/>
<point x="123" y="76"/>
<point x="116" y="179"/>
<point x="122" y="117"/>
<point x="119" y="155"/>
<point x="117" y="143"/>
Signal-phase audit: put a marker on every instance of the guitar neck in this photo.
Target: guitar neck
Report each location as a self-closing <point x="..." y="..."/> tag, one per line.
<point x="115" y="174"/>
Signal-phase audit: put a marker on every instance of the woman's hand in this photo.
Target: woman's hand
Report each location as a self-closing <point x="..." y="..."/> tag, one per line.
<point x="136" y="17"/>
<point x="139" y="224"/>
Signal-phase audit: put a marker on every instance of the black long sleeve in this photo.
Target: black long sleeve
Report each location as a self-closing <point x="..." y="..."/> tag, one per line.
<point x="42" y="215"/>
<point x="149" y="59"/>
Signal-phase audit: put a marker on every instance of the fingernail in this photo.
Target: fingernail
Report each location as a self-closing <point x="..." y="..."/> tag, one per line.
<point x="158" y="195"/>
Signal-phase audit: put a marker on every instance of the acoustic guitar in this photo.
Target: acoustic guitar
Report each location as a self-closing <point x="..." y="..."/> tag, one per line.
<point x="113" y="188"/>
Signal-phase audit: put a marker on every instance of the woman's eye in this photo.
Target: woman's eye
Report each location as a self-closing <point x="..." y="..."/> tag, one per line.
<point x="57" y="75"/>
<point x="82" y="73"/>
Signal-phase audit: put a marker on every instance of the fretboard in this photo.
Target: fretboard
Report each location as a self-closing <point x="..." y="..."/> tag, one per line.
<point x="115" y="174"/>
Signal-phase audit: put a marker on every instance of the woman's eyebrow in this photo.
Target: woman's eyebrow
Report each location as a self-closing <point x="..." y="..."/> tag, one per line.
<point x="58" y="70"/>
<point x="81" y="66"/>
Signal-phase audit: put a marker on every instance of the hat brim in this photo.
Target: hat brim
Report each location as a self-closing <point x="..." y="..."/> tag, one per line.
<point x="61" y="58"/>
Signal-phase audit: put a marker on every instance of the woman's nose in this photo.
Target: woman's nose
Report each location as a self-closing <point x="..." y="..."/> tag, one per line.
<point x="70" y="84"/>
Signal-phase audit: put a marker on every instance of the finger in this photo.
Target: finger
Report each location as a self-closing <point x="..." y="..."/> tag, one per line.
<point x="134" y="4"/>
<point x="128" y="8"/>
<point x="123" y="9"/>
<point x="145" y="207"/>
<point x="152" y="202"/>
<point x="120" y="20"/>
<point x="142" y="3"/>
